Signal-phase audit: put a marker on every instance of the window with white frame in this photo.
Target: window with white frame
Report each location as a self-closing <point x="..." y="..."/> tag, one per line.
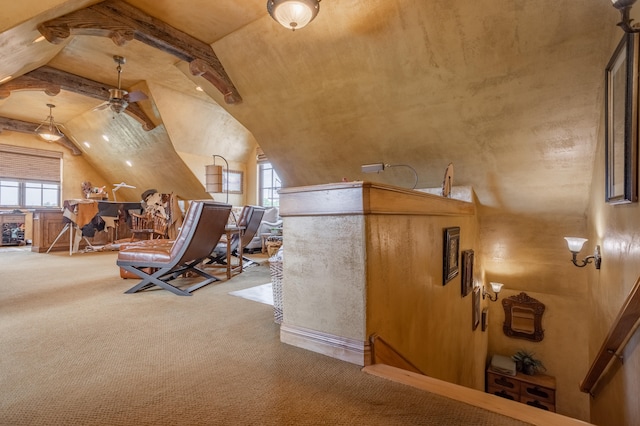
<point x="268" y="185"/>
<point x="29" y="178"/>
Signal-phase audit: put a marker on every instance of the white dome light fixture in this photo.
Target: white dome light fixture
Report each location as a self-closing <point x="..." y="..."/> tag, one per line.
<point x="293" y="14"/>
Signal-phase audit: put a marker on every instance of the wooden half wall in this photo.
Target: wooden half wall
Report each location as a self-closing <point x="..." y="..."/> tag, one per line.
<point x="364" y="258"/>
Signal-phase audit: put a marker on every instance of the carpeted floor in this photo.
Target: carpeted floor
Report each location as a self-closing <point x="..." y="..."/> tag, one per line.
<point x="75" y="350"/>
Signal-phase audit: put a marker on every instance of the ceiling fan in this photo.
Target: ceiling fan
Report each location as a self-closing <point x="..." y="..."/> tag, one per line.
<point x="119" y="99"/>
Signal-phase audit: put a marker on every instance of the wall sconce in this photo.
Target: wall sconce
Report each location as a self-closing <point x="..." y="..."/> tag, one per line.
<point x="496" y="287"/>
<point x="48" y="129"/>
<point x="575" y="245"/>
<point x="293" y="14"/>
<point x="214" y="183"/>
<point x="624" y="6"/>
<point x="379" y="167"/>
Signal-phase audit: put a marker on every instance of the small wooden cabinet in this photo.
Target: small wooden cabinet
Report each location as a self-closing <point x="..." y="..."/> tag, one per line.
<point x="12" y="226"/>
<point x="537" y="391"/>
<point x="47" y="225"/>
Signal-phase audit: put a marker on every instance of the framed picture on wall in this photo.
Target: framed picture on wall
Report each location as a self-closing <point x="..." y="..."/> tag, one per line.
<point x="621" y="123"/>
<point x="451" y="254"/>
<point x="467" y="272"/>
<point x="475" y="316"/>
<point x="485" y="319"/>
<point x="234" y="183"/>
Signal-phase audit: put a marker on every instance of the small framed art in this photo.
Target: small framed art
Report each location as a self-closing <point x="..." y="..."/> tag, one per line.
<point x="467" y="272"/>
<point x="476" y="308"/>
<point x="451" y="254"/>
<point x="234" y="183"/>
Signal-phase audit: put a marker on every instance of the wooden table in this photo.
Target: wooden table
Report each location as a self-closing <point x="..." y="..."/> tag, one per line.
<point x="230" y="231"/>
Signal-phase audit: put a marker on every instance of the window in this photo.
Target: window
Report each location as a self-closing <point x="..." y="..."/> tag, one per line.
<point x="41" y="194"/>
<point x="9" y="193"/>
<point x="21" y="193"/>
<point x="29" y="177"/>
<point x="268" y="185"/>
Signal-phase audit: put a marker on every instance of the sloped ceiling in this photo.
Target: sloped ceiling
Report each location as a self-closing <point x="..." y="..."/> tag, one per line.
<point x="509" y="92"/>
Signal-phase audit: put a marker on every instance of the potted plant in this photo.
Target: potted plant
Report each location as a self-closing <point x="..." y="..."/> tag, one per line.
<point x="527" y="363"/>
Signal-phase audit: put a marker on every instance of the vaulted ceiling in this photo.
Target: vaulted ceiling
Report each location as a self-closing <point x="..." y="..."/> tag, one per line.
<point x="510" y="92"/>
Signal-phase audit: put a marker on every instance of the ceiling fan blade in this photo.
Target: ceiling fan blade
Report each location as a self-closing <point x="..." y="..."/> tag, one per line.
<point x="102" y="106"/>
<point x="136" y="96"/>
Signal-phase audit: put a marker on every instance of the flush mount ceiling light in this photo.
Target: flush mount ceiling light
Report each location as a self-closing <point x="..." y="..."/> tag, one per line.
<point x="49" y="130"/>
<point x="624" y="6"/>
<point x="293" y="14"/>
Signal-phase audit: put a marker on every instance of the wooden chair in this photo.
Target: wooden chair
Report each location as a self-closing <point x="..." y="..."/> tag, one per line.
<point x="159" y="263"/>
<point x="147" y="227"/>
<point x="153" y="224"/>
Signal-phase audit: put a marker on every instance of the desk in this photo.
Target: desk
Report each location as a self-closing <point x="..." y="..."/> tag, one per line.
<point x="230" y="232"/>
<point x="54" y="229"/>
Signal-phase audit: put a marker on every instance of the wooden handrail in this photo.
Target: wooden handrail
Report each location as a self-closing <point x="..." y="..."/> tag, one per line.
<point x="383" y="353"/>
<point x="616" y="339"/>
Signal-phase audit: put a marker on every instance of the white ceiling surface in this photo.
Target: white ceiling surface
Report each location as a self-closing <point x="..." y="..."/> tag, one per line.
<point x="509" y="91"/>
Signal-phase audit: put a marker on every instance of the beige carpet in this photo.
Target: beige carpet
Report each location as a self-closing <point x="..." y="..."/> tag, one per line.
<point x="75" y="350"/>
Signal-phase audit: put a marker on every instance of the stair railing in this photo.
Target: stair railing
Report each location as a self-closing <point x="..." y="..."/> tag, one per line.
<point x="619" y="334"/>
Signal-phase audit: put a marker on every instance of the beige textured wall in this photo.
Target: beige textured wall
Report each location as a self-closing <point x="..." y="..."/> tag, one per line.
<point x="409" y="307"/>
<point x="527" y="253"/>
<point x="325" y="280"/>
<point x="374" y="269"/>
<point x="616" y="228"/>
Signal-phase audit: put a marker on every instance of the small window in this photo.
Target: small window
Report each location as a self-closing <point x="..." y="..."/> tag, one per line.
<point x="268" y="185"/>
<point x="20" y="193"/>
<point x="29" y="177"/>
<point x="39" y="194"/>
<point x="9" y="193"/>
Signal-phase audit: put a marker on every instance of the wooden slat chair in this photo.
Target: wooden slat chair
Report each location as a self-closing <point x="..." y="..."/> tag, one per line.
<point x="157" y="264"/>
<point x="148" y="227"/>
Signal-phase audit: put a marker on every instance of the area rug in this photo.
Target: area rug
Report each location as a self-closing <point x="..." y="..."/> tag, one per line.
<point x="261" y="293"/>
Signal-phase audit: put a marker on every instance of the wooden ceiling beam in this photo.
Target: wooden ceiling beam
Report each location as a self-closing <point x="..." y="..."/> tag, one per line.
<point x="51" y="80"/>
<point x="122" y="23"/>
<point x="12" y="124"/>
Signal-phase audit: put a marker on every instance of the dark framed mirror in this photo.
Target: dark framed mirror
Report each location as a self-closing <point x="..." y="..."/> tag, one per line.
<point x="621" y="124"/>
<point x="523" y="317"/>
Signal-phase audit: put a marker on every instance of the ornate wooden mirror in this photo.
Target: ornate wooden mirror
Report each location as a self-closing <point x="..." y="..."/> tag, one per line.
<point x="523" y="317"/>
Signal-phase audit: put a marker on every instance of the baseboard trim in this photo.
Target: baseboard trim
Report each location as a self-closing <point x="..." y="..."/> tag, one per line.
<point x="342" y="348"/>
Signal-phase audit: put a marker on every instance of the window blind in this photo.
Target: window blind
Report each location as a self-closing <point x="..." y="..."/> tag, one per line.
<point x="18" y="162"/>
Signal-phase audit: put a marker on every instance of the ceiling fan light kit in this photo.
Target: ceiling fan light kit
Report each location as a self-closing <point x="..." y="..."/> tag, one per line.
<point x="119" y="98"/>
<point x="48" y="129"/>
<point x="293" y="14"/>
